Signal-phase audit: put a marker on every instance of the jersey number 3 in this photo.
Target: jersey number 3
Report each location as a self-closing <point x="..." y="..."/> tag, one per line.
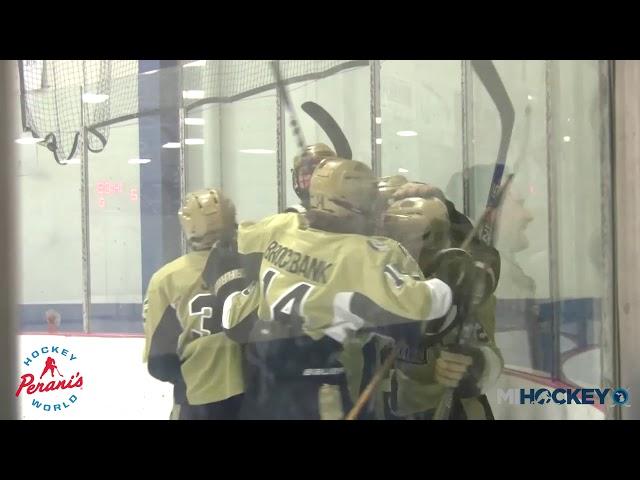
<point x="202" y="306"/>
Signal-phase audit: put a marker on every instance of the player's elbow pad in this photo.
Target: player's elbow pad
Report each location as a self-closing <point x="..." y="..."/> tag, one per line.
<point x="238" y="330"/>
<point x="443" y="314"/>
<point x="441" y="298"/>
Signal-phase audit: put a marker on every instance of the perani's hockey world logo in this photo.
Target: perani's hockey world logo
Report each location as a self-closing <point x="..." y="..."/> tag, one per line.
<point x="54" y="380"/>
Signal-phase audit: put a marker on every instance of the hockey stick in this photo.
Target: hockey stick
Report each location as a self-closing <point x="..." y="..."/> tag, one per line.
<point x="284" y="95"/>
<point x="486" y="71"/>
<point x="330" y="127"/>
<point x="375" y="381"/>
<point x="491" y="80"/>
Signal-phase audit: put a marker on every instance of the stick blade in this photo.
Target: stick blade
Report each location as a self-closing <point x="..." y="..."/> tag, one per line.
<point x="330" y="127"/>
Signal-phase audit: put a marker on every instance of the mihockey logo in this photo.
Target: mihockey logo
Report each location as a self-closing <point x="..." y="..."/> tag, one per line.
<point x="564" y="396"/>
<point x="54" y="381"/>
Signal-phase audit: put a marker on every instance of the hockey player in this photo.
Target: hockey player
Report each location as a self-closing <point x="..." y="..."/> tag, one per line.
<point x="206" y="217"/>
<point x="321" y="279"/>
<point x="396" y="187"/>
<point x="422" y="370"/>
<point x="303" y="167"/>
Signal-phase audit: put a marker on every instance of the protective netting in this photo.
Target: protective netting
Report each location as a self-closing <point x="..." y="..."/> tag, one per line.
<point x="57" y="93"/>
<point x="231" y="80"/>
<point x="59" y="97"/>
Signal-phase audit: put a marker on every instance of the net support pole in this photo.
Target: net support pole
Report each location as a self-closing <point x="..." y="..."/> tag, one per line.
<point x="281" y="161"/>
<point x="8" y="253"/>
<point x="554" y="242"/>
<point x="84" y="205"/>
<point x="467" y="135"/>
<point x="609" y="330"/>
<point x="376" y="117"/>
<point x="182" y="113"/>
<point x="181" y="169"/>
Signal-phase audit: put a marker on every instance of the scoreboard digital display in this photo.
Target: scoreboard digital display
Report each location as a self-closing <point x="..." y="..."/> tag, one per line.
<point x="107" y="188"/>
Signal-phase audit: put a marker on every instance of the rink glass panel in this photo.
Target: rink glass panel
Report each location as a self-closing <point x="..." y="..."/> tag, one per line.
<point x="555" y="290"/>
<point x="554" y="313"/>
<point x="49" y="223"/>
<point x="238" y="153"/>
